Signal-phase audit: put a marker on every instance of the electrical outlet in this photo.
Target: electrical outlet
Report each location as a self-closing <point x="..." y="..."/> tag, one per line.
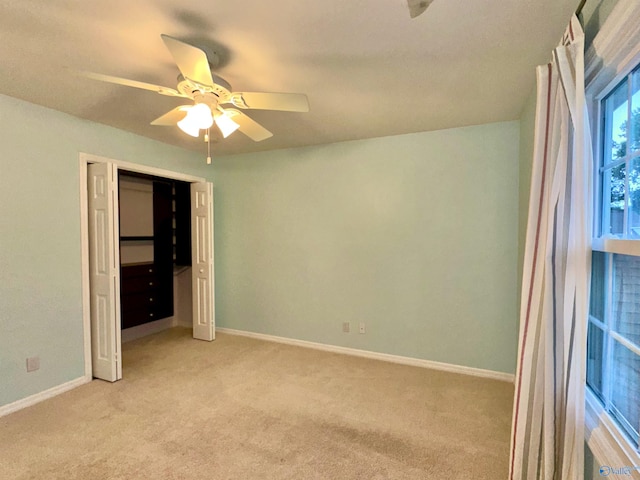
<point x="33" y="364"/>
<point x="362" y="327"/>
<point x="346" y="327"/>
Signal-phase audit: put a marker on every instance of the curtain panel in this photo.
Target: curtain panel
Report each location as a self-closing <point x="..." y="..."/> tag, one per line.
<point x="547" y="435"/>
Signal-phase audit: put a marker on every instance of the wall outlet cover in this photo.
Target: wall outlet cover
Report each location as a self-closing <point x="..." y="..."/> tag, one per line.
<point x="33" y="364"/>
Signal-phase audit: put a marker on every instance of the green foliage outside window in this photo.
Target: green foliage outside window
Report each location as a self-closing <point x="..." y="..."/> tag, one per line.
<point x="618" y="174"/>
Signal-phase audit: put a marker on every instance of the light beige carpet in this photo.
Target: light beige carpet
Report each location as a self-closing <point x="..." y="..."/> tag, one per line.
<point x="240" y="408"/>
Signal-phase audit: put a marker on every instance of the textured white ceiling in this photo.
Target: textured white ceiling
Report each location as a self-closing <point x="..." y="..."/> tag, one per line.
<point x="367" y="68"/>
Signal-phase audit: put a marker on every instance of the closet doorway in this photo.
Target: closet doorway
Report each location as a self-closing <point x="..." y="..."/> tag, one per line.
<point x="128" y="276"/>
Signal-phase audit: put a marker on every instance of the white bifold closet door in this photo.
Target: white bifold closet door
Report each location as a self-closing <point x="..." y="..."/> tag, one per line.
<point x="204" y="326"/>
<point x="104" y="271"/>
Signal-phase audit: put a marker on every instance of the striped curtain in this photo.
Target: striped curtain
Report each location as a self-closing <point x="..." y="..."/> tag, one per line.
<point x="547" y="435"/>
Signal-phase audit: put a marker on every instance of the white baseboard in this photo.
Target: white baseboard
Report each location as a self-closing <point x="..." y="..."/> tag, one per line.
<point x="139" y="331"/>
<point x="414" y="362"/>
<point x="39" y="397"/>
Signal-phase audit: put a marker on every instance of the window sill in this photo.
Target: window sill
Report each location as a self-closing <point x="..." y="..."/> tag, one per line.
<point x="616" y="245"/>
<point x="605" y="440"/>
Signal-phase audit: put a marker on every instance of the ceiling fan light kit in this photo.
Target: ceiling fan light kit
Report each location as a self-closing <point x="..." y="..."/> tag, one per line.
<point x="209" y="92"/>
<point x="226" y="125"/>
<point x="198" y="118"/>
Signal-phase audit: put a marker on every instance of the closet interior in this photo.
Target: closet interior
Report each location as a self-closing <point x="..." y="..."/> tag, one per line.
<point x="155" y="251"/>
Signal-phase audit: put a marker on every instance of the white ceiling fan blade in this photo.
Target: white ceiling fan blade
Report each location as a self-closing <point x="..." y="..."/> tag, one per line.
<point x="131" y="83"/>
<point x="248" y="126"/>
<point x="286" y="102"/>
<point x="191" y="61"/>
<point x="172" y="117"/>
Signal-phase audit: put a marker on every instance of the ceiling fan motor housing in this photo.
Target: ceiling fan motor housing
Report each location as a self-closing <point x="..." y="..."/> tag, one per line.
<point x="220" y="88"/>
<point x="209" y="99"/>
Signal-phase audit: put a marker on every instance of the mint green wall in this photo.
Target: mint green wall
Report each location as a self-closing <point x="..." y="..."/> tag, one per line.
<point x="416" y="235"/>
<point x="40" y="264"/>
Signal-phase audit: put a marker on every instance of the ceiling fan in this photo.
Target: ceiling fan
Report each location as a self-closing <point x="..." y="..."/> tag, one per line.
<point x="208" y="93"/>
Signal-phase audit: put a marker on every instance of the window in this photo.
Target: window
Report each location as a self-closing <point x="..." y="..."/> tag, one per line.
<point x="613" y="341"/>
<point x="620" y="171"/>
<point x="612" y="78"/>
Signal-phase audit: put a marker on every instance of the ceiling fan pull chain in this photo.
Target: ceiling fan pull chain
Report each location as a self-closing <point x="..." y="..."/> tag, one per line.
<point x="207" y="137"/>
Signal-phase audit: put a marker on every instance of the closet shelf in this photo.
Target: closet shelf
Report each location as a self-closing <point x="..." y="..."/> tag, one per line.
<point x="136" y="238"/>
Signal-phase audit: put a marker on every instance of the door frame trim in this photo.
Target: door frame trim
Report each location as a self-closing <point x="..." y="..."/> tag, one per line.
<point x="83" y="160"/>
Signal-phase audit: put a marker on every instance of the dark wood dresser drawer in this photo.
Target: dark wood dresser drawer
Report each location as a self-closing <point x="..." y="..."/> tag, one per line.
<point x="141" y="295"/>
<point x="139" y="284"/>
<point x="136" y="300"/>
<point x="137" y="316"/>
<point x="137" y="270"/>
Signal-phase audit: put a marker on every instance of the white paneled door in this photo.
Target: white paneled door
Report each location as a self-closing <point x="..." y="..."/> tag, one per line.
<point x="202" y="261"/>
<point x="104" y="271"/>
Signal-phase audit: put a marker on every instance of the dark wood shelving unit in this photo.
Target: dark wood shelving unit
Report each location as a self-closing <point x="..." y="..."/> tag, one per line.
<point x="147" y="287"/>
<point x="163" y="246"/>
<point x="182" y="233"/>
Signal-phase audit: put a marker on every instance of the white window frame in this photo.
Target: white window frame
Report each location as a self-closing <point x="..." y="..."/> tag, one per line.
<point x="614" y="53"/>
